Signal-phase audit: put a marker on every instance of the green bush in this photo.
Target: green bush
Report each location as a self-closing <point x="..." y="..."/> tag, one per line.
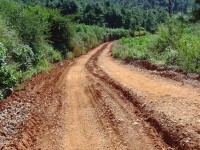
<point x="189" y="53"/>
<point x="23" y="55"/>
<point x="70" y="55"/>
<point x="31" y="23"/>
<point x="61" y="31"/>
<point x="25" y="42"/>
<point x="135" y="48"/>
<point x="8" y="75"/>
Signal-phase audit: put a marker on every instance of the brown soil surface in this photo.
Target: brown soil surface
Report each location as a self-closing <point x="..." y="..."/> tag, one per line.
<point x="178" y="101"/>
<point x="97" y="103"/>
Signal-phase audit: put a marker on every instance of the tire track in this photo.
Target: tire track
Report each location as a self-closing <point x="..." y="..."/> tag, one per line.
<point x="173" y="134"/>
<point x="118" y="116"/>
<point x="96" y="120"/>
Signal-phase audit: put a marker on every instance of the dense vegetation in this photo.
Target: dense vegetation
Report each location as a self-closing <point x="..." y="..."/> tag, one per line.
<point x="128" y="14"/>
<point x="175" y="44"/>
<point x="177" y="5"/>
<point x="31" y="37"/>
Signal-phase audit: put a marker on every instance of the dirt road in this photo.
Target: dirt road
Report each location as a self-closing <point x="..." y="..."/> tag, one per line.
<point x="97" y="103"/>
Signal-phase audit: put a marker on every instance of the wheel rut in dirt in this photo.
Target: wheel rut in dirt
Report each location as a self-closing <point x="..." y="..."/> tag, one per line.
<point x="97" y="117"/>
<point x="84" y="106"/>
<point x="173" y="133"/>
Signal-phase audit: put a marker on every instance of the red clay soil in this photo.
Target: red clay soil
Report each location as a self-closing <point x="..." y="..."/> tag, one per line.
<point x="171" y="106"/>
<point x="97" y="103"/>
<point x="33" y="115"/>
<point x="167" y="72"/>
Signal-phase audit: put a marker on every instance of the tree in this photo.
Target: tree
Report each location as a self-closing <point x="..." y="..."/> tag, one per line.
<point x="197" y="10"/>
<point x="69" y="7"/>
<point x="170" y="8"/>
<point x="114" y="18"/>
<point x="151" y="21"/>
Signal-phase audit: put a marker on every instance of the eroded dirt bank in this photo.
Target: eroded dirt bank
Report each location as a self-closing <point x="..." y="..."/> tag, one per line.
<point x="97" y="103"/>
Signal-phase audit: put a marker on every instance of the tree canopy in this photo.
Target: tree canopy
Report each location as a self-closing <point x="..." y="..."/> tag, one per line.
<point x="128" y="14"/>
<point x="197" y="10"/>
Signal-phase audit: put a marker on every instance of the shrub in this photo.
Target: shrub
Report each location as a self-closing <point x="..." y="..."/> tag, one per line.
<point x="135" y="48"/>
<point x="23" y="55"/>
<point x="61" y="31"/>
<point x="8" y="73"/>
<point x="70" y="55"/>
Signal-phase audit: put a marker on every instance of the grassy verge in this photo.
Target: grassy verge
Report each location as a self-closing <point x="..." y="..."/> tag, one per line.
<point x="177" y="48"/>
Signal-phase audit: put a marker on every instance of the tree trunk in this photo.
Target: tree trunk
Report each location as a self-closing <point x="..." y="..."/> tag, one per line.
<point x="170" y="8"/>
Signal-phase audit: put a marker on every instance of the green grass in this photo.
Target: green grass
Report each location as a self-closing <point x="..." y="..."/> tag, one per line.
<point x="181" y="49"/>
<point x="136" y="48"/>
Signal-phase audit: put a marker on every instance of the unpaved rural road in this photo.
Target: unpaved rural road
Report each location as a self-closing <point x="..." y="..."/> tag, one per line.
<point x="97" y="103"/>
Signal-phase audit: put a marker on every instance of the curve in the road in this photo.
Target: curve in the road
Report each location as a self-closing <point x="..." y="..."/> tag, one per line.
<point x="98" y="117"/>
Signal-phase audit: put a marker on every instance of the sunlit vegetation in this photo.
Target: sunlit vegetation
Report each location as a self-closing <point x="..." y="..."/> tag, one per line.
<point x="32" y="37"/>
<point x="179" y="49"/>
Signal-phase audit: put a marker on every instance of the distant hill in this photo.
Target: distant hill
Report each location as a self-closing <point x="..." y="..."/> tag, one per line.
<point x="178" y="5"/>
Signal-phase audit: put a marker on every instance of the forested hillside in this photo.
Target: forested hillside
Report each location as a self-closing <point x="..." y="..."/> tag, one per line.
<point x="129" y="14"/>
<point x="178" y="5"/>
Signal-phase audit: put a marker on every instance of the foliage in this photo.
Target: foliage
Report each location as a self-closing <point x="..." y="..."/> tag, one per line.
<point x="60" y="32"/>
<point x="31" y="37"/>
<point x="178" y="49"/>
<point x="116" y="16"/>
<point x="7" y="74"/>
<point x="196" y="11"/>
<point x="132" y="48"/>
<point x="87" y="37"/>
<point x="128" y="14"/>
<point x="148" y="4"/>
<point x="24" y="39"/>
<point x="70" y="55"/>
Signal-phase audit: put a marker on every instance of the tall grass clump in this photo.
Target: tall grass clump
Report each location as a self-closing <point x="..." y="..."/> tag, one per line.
<point x="132" y="48"/>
